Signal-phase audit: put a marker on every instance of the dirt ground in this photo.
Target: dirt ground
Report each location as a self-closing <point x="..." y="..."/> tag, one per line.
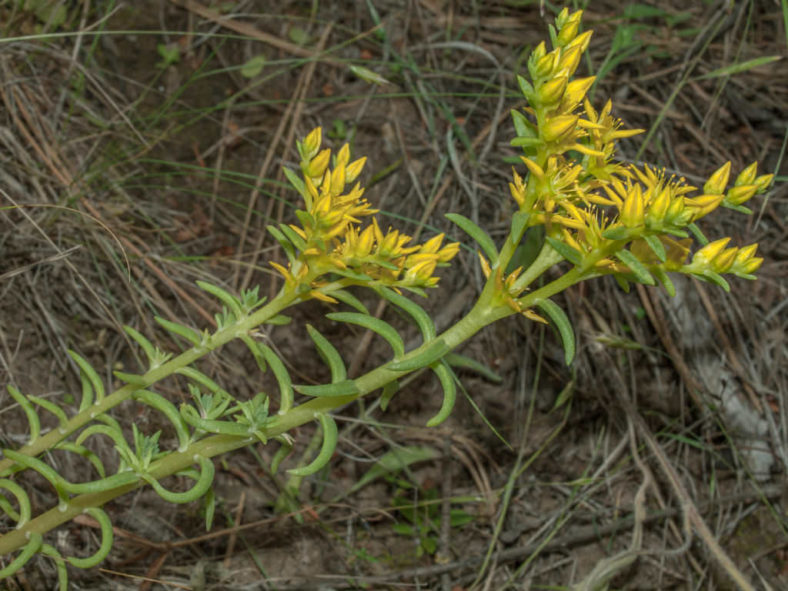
<point x="141" y="149"/>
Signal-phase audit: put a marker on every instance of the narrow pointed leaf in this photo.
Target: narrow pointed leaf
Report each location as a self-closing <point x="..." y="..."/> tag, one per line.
<point x="286" y="245"/>
<point x="570" y="254"/>
<point x="376" y="325"/>
<point x="90" y="373"/>
<point x="30" y="412"/>
<point x="656" y="245"/>
<point x="185" y="332"/>
<point x="638" y="269"/>
<point x="419" y="315"/>
<point x="388" y="393"/>
<point x="348" y="298"/>
<point x="561" y="321"/>
<point x="144" y="343"/>
<point x="519" y="225"/>
<point x="224" y="296"/>
<point x="293" y="236"/>
<point x="330" y="436"/>
<point x="282" y="378"/>
<point x="329" y="354"/>
<point x="446" y="378"/>
<point x="480" y="236"/>
<point x="429" y="355"/>
<point x="343" y="388"/>
<point x="464" y="362"/>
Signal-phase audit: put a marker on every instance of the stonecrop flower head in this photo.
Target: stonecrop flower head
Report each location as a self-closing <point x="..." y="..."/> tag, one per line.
<point x="329" y="238"/>
<point x="605" y="217"/>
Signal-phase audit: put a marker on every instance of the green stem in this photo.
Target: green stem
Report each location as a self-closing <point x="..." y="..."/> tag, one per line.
<point x="482" y="314"/>
<point x="285" y="298"/>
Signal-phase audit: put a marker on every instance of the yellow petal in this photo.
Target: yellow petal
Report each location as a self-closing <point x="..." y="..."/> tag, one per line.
<point x="535" y="169"/>
<point x="485" y="265"/>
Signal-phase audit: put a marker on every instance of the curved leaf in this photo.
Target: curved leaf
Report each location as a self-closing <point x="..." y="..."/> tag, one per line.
<point x="376" y="325"/>
<point x="388" y="393"/>
<point x="282" y="378"/>
<point x="429" y="355"/>
<point x="419" y="315"/>
<point x="638" y="269"/>
<point x="480" y="236"/>
<point x="187" y="333"/>
<point x="446" y="378"/>
<point x="329" y="354"/>
<point x="330" y="436"/>
<point x="95" y="381"/>
<point x="561" y="321"/>
<point x="343" y="388"/>
<point x="228" y="299"/>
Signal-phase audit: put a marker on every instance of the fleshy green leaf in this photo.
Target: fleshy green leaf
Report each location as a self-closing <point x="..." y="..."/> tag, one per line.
<point x="519" y="225"/>
<point x="638" y="269"/>
<point x="330" y="436"/>
<point x="384" y="329"/>
<point x="348" y="298"/>
<point x="480" y="236"/>
<point x="570" y="254"/>
<point x="419" y="315"/>
<point x="185" y="332"/>
<point x="429" y="355"/>
<point x="343" y="388"/>
<point x="656" y="245"/>
<point x="388" y="393"/>
<point x="463" y="362"/>
<point x="329" y="354"/>
<point x="286" y="245"/>
<point x="561" y="321"/>
<point x="616" y="233"/>
<point x="224" y="296"/>
<point x="446" y="378"/>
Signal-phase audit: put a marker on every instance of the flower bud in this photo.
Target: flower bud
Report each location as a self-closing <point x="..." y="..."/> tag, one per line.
<point x="581" y="41"/>
<point x="708" y="253"/>
<point x="551" y="91"/>
<point x="557" y="127"/>
<point x="747" y="176"/>
<point x="659" y="205"/>
<point x="354" y="169"/>
<point x="570" y="59"/>
<point x="632" y="211"/>
<point x="312" y="143"/>
<point x="741" y="194"/>
<point x="318" y="165"/>
<point x="763" y="182"/>
<point x="719" y="180"/>
<point x="723" y="261"/>
<point x="343" y="156"/>
<point x="568" y="31"/>
<point x="575" y="92"/>
<point x="545" y="66"/>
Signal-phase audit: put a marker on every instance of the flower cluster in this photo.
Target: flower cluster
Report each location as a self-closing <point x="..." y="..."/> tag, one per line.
<point x="329" y="238"/>
<point x="603" y="216"/>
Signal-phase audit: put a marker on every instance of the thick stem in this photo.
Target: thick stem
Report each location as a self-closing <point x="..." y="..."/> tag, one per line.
<point x="481" y="315"/>
<point x="222" y="337"/>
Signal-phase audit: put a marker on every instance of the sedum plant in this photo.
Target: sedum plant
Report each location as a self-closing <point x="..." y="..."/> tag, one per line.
<point x="599" y="217"/>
